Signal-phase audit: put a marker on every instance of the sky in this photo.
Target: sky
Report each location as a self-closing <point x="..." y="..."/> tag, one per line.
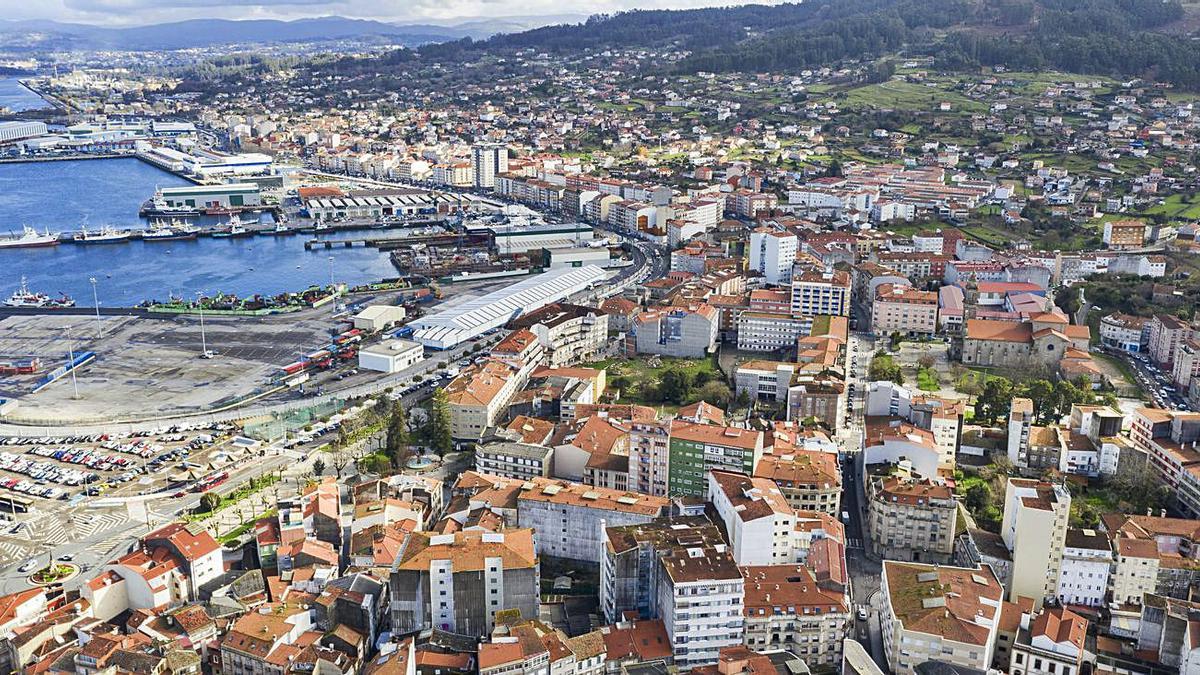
<point x="138" y="12"/>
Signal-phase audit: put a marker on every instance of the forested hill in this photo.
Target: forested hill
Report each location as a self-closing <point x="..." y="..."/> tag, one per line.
<point x="1122" y="38"/>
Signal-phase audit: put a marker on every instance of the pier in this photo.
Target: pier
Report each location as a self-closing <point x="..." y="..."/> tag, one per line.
<point x="387" y="243"/>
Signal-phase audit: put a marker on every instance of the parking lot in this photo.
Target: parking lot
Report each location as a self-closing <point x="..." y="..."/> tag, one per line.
<point x="61" y="468"/>
<point x="1154" y="382"/>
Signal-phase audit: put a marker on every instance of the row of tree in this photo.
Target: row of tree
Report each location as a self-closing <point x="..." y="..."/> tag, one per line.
<point x="1051" y="400"/>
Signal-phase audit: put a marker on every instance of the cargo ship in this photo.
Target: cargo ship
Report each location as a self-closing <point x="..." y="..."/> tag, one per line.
<point x="30" y="239"/>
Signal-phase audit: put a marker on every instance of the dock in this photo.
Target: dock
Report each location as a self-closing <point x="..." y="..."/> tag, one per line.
<point x="387" y="243"/>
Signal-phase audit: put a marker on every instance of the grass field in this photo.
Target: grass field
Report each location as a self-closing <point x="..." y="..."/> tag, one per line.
<point x="908" y="96"/>
<point x="927" y="380"/>
<point x="1175" y="208"/>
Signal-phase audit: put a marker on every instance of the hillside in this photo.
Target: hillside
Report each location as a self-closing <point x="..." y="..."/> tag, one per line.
<point x="1122" y="38"/>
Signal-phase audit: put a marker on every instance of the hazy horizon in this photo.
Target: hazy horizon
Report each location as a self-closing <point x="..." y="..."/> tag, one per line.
<point x="127" y="13"/>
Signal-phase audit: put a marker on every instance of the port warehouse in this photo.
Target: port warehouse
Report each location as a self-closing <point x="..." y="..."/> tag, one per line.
<point x="207" y="164"/>
<point x="474" y="317"/>
<point x="522" y="238"/>
<point x="225" y="195"/>
<point x="11" y="132"/>
<point x="322" y="205"/>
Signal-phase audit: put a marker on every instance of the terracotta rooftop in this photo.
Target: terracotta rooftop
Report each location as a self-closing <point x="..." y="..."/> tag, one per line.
<point x="953" y="602"/>
<point x="469" y="551"/>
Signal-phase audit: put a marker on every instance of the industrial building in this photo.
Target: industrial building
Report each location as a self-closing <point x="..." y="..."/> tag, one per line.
<point x="392" y="356"/>
<point x="525" y="237"/>
<point x="210" y="196"/>
<point x="16" y="131"/>
<point x="470" y="319"/>
<point x="371" y="204"/>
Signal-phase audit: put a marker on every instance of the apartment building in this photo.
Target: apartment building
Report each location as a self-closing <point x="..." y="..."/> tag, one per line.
<point x="764" y="380"/>
<point x="649" y="456"/>
<point x="1124" y="234"/>
<point x="568" y="516"/>
<point x="821" y="293"/>
<point x="1153" y="555"/>
<point x="519" y="461"/>
<point x="810" y="480"/>
<point x="1034" y="529"/>
<point x="942" y="418"/>
<point x="630" y="572"/>
<point x="1125" y="332"/>
<point x="772" y="253"/>
<point x="939" y="613"/>
<point x="258" y="642"/>
<point x="911" y="518"/>
<point x="457" y="582"/>
<point x="902" y="309"/>
<point x="1166" y="332"/>
<point x="684" y="332"/>
<point x="1020" y="430"/>
<point x="758" y="519"/>
<point x="787" y="608"/>
<point x="695" y="449"/>
<point x="1086" y="563"/>
<point x="570" y="334"/>
<point x="1169" y="440"/>
<point x="1051" y="643"/>
<point x="1185" y="367"/>
<point x="770" y="331"/>
<point x="680" y="571"/>
<point x="480" y="395"/>
<point x="488" y="160"/>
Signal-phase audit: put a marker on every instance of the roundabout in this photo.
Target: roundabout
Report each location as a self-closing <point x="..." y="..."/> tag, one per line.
<point x="56" y="573"/>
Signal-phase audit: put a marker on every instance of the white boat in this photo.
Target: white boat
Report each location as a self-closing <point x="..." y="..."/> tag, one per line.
<point x="177" y="230"/>
<point x="106" y="235"/>
<point x="30" y="239"/>
<point x="24" y="298"/>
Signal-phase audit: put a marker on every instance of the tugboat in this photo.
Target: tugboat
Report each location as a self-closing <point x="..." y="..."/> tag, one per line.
<point x="24" y="298"/>
<point x="106" y="235"/>
<point x="30" y="239"/>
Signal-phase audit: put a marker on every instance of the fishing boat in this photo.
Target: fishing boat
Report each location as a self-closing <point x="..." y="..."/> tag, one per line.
<point x="279" y="229"/>
<point x="236" y="229"/>
<point x="105" y="235"/>
<point x="25" y="298"/>
<point x="175" y="231"/>
<point x="30" y="239"/>
<point x="158" y="206"/>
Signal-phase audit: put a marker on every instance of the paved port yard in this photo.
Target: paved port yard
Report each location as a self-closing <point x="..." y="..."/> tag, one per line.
<point x="149" y="367"/>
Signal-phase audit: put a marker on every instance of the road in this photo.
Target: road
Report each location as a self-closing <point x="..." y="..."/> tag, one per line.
<point x="864" y="568"/>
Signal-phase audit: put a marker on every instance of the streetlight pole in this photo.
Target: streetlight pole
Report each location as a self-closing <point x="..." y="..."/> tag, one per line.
<point x="203" y="339"/>
<point x="96" y="300"/>
<point x="71" y="363"/>
<point x="331" y="288"/>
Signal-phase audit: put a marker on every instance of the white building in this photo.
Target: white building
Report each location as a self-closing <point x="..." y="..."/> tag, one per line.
<point x="1086" y="562"/>
<point x="471" y="319"/>
<point x="758" y="519"/>
<point x="1034" y="529"/>
<point x="392" y="356"/>
<point x="488" y="160"/>
<point x="772" y="254"/>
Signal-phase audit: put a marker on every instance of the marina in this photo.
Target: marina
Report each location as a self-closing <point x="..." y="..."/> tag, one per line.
<point x="178" y="259"/>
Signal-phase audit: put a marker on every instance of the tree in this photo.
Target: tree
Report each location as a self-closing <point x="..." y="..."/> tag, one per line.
<point x="979" y="497"/>
<point x="926" y="361"/>
<point x="1045" y="405"/>
<point x="674" y="386"/>
<point x="209" y="501"/>
<point x="438" y="430"/>
<point x="318" y="466"/>
<point x="884" y="367"/>
<point x="396" y="442"/>
<point x="715" y="392"/>
<point x="995" y="400"/>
